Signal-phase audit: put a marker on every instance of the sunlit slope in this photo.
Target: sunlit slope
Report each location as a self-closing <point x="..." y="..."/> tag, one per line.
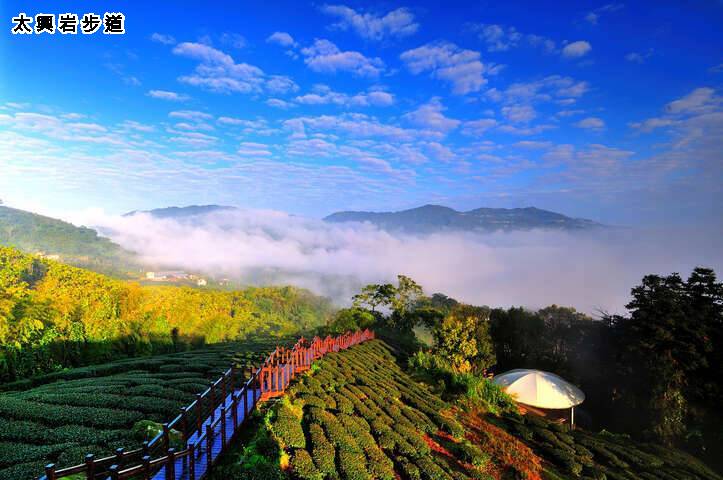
<point x="53" y="315"/>
<point x="360" y="416"/>
<point x="80" y="246"/>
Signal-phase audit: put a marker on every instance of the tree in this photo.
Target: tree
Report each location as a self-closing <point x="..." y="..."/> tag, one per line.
<point x="351" y="319"/>
<point x="463" y="339"/>
<point x="667" y="347"/>
<point x="375" y="295"/>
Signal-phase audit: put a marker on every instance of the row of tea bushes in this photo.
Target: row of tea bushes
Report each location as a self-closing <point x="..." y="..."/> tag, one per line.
<point x="358" y="416"/>
<point x="93" y="409"/>
<point x="602" y="456"/>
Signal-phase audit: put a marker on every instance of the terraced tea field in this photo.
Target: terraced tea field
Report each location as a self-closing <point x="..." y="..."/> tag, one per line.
<point x="63" y="416"/>
<point x="359" y="416"/>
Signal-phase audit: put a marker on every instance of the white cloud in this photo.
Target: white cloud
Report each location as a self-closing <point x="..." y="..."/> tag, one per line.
<point x="429" y="116"/>
<point x="203" y="53"/>
<point x="219" y="73"/>
<point x="533" y="269"/>
<point x="593" y="16"/>
<point x="252" y="149"/>
<point x="325" y="57"/>
<point x="500" y="38"/>
<point x="167" y="95"/>
<point x="163" y="38"/>
<point x="446" y="61"/>
<point x="590" y="123"/>
<point x="699" y="100"/>
<point x="190" y="115"/>
<point x="279" y="103"/>
<point x="576" y="49"/>
<point x="519" y="113"/>
<point x="637" y="57"/>
<point x="397" y="23"/>
<point x="280" y="84"/>
<point x="281" y="38"/>
<point x="478" y="127"/>
<point x="233" y="40"/>
<point x="323" y="95"/>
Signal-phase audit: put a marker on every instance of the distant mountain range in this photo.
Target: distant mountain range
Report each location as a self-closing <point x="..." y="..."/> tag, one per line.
<point x="425" y="219"/>
<point x="437" y="218"/>
<point x="182" y="212"/>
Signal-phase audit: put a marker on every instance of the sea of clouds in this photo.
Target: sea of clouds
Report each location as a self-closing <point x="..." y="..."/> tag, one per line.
<point x="592" y="271"/>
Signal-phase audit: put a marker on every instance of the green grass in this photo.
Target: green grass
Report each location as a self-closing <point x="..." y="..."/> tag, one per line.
<point x="61" y="417"/>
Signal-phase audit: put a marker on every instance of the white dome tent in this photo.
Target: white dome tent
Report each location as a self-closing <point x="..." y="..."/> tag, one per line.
<point x="540" y="389"/>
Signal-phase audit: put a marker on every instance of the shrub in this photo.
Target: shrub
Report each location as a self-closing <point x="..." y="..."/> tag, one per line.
<point x="409" y="469"/>
<point x="352" y="466"/>
<point x="322" y="451"/>
<point x="449" y="425"/>
<point x="303" y="466"/>
<point x="471" y="453"/>
<point x="287" y="425"/>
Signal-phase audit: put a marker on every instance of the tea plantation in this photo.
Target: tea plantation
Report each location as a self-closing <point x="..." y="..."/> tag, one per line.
<point x="62" y="416"/>
<point x="359" y="416"/>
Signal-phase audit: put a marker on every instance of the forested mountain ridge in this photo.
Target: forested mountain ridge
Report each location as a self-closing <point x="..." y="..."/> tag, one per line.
<point x="182" y="212"/>
<point x="436" y="218"/>
<point x="54" y="315"/>
<point x="80" y="246"/>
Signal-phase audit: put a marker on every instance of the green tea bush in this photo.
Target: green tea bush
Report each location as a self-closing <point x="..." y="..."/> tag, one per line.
<point x="287" y="425"/>
<point x="322" y="451"/>
<point x="352" y="465"/>
<point x="449" y="425"/>
<point x="303" y="466"/>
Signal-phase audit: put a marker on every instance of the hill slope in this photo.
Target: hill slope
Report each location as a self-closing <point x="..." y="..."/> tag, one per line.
<point x="359" y="416"/>
<point x="80" y="246"/>
<point x="436" y="218"/>
<point x="54" y="316"/>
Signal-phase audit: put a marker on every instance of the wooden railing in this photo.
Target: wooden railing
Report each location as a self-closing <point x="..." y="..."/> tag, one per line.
<point x="212" y="419"/>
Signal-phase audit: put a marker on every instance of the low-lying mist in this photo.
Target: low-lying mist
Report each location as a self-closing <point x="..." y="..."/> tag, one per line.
<point x="591" y="271"/>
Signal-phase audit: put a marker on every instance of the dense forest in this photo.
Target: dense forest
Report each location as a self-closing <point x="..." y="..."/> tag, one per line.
<point x="54" y="316"/>
<point x="654" y="374"/>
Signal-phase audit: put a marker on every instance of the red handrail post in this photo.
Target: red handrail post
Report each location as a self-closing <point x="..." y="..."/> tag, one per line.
<point x="113" y="471"/>
<point x="245" y="393"/>
<point x="184" y="423"/>
<point x="199" y="410"/>
<point x="192" y="462"/>
<point x="146" y="467"/>
<point x="50" y="471"/>
<point x="234" y="412"/>
<point x="223" y="426"/>
<point x="171" y="464"/>
<point x="90" y="466"/>
<point x="166" y="437"/>
<point x="209" y="444"/>
<point x="212" y="400"/>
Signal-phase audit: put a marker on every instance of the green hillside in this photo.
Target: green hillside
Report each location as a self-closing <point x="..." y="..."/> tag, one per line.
<point x="54" y="316"/>
<point x="80" y="246"/>
<point x="358" y="415"/>
<point x="69" y="414"/>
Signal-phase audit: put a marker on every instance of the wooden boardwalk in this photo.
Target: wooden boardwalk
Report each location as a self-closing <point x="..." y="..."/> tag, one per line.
<point x="209" y="423"/>
<point x="205" y="452"/>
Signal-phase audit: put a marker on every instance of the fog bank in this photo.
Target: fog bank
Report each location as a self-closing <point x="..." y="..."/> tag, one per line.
<point x="591" y="271"/>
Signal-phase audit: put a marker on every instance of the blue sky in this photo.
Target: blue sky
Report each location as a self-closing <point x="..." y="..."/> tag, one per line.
<point x="611" y="111"/>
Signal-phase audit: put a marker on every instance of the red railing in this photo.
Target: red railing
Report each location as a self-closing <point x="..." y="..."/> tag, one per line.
<point x="210" y="421"/>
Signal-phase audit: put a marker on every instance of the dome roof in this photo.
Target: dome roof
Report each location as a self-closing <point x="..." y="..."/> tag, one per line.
<point x="540" y="389"/>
